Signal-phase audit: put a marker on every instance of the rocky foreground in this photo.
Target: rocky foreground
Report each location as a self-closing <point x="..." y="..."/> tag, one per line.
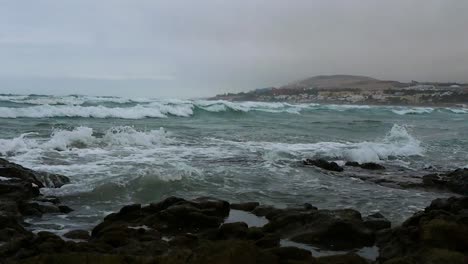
<point x="177" y="230"/>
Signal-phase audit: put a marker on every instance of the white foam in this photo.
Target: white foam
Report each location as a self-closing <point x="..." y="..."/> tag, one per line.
<point x="397" y="143"/>
<point x="64" y="139"/>
<point x="82" y="137"/>
<point x="4" y="178"/>
<point x="139" y="108"/>
<point x="128" y="136"/>
<point x="15" y="145"/>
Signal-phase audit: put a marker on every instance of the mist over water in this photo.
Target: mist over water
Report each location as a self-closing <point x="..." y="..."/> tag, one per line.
<point x="118" y="151"/>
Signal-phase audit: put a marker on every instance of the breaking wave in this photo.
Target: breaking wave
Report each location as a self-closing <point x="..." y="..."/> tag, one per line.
<point x="84" y="137"/>
<point x="398" y="143"/>
<point x="35" y="106"/>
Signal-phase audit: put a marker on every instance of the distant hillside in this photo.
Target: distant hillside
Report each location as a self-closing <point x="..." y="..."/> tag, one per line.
<point x="341" y="81"/>
<point x="351" y="89"/>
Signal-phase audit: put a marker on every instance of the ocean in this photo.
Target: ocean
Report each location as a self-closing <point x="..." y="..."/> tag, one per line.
<point x="118" y="151"/>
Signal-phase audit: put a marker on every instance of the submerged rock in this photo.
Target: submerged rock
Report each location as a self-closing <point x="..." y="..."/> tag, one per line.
<point x="323" y="164"/>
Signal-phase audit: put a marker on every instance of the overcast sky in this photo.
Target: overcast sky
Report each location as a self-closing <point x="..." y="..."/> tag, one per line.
<point x="196" y="48"/>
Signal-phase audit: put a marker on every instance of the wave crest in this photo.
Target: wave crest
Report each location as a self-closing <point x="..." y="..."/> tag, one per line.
<point x="83" y="137"/>
<point x="398" y="143"/>
<point x="35" y="106"/>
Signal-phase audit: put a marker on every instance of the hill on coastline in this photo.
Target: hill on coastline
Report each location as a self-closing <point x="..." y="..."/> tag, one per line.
<point x="352" y="89"/>
<point x="340" y="81"/>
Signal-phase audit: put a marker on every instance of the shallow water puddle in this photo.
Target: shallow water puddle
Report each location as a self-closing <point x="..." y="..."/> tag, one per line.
<point x="250" y="219"/>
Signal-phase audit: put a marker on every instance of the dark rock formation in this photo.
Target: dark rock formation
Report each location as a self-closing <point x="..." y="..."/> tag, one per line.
<point x="248" y="207"/>
<point x="78" y="234"/>
<point x="342" y="259"/>
<point x="331" y="229"/>
<point x="367" y="165"/>
<point x="455" y="181"/>
<point x="376" y="222"/>
<point x="372" y="166"/>
<point x="177" y="230"/>
<point x="323" y="164"/>
<point x="352" y="164"/>
<point x="437" y="235"/>
<point x="40" y="179"/>
<point x="20" y="196"/>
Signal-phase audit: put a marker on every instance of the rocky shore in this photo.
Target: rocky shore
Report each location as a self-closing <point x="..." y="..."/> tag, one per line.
<point x="209" y="230"/>
<point x="453" y="181"/>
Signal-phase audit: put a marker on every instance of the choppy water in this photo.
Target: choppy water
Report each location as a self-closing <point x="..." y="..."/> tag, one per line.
<point x="118" y="151"/>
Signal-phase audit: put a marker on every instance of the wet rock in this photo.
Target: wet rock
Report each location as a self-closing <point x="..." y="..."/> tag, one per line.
<point x="162" y="205"/>
<point x="18" y="190"/>
<point x="323" y="164"/>
<point x="266" y="211"/>
<point x="9" y="208"/>
<point x="11" y="228"/>
<point x="372" y="166"/>
<point x="20" y="196"/>
<point x="453" y="204"/>
<point x="230" y="251"/>
<point x="366" y="166"/>
<point x="65" y="209"/>
<point x="189" y="216"/>
<point x="47" y="242"/>
<point x="172" y="216"/>
<point x="51" y="180"/>
<point x="115" y="236"/>
<point x="269" y="241"/>
<point x="292" y="254"/>
<point x="88" y="258"/>
<point x="209" y="204"/>
<point x="78" y="234"/>
<point x="126" y="213"/>
<point x="48" y="199"/>
<point x="440" y="230"/>
<point x="248" y="207"/>
<point x="255" y="233"/>
<point x="456" y="181"/>
<point x="38" y="209"/>
<point x="352" y="164"/>
<point x="309" y="206"/>
<point x="236" y="230"/>
<point x="176" y="230"/>
<point x="333" y="229"/>
<point x="185" y="240"/>
<point x="40" y="179"/>
<point x="376" y="222"/>
<point x="432" y="256"/>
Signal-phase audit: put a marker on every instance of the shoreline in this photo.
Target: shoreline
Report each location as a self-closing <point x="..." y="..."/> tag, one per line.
<point x="209" y="230"/>
<point x="462" y="106"/>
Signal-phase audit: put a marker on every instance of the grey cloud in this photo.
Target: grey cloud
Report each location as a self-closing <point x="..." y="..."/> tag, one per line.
<point x="206" y="47"/>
